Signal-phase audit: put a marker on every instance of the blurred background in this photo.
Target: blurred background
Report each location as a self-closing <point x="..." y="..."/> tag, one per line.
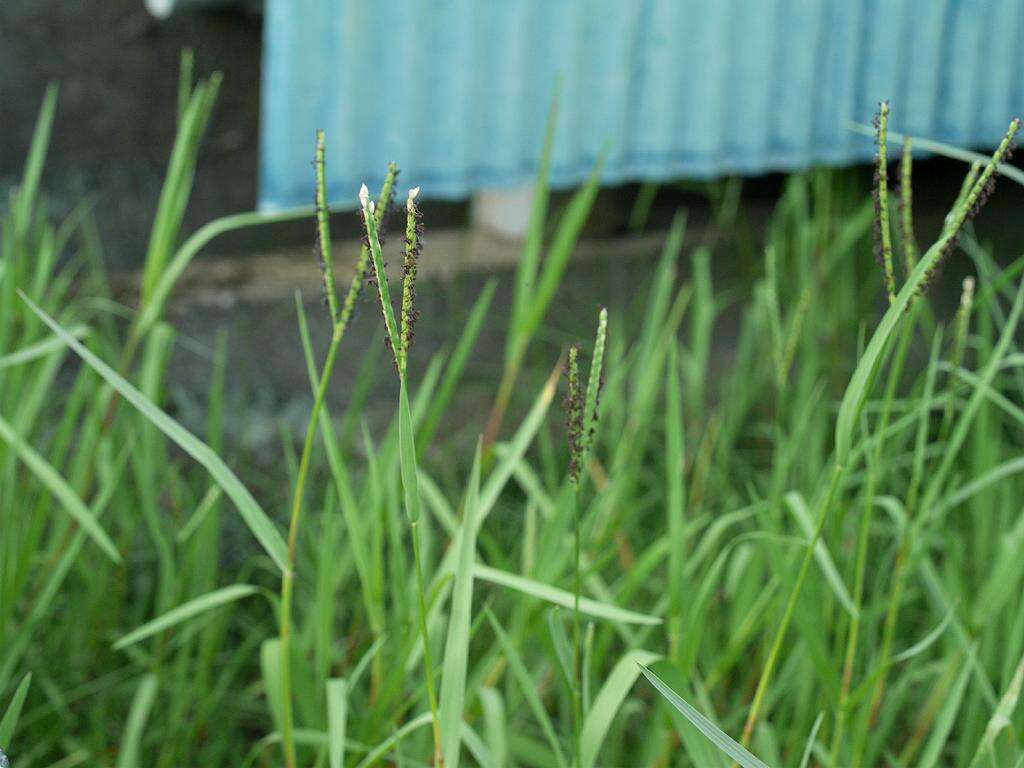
<point x="705" y="105"/>
<point x="457" y="92"/>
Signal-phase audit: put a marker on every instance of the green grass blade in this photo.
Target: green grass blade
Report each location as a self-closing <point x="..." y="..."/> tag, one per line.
<point x="60" y="489"/>
<point x="456" y="366"/>
<point x="526" y="271"/>
<point x="12" y="714"/>
<point x="131" y="751"/>
<point x="714" y="734"/>
<point x="609" y="699"/>
<point x="152" y="309"/>
<point x="178" y="182"/>
<point x="1002" y="718"/>
<point x="945" y="721"/>
<point x="374" y="755"/>
<point x="206" y="505"/>
<point x="806" y="759"/>
<point x="40" y="348"/>
<point x="517" y="446"/>
<point x="1007" y="169"/>
<point x="186" y="611"/>
<point x="253" y="515"/>
<point x="456" y="650"/>
<point x="528" y="687"/>
<point x="560" y="597"/>
<point x="495" y="724"/>
<point x="798" y="507"/>
<point x="29" y="188"/>
<point x="476" y="745"/>
<point x="270" y="669"/>
<point x="337" y="718"/>
<point x="562" y="246"/>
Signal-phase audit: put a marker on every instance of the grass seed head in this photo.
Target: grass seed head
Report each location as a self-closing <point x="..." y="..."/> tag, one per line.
<point x="880" y="194"/>
<point x="573" y="405"/>
<point x="413" y="246"/>
<point x="905" y="206"/>
<point x="322" y="238"/>
<point x="974" y="194"/>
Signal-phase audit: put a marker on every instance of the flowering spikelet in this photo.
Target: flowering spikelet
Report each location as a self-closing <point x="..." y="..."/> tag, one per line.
<point x="413" y="246"/>
<point x="595" y="384"/>
<point x="573" y="405"/>
<point x="973" y="195"/>
<point x="364" y="263"/>
<point x="581" y="409"/>
<point x="391" y="338"/>
<point x="963" y="319"/>
<point x="883" y="237"/>
<point x="322" y="247"/>
<point x="906" y="208"/>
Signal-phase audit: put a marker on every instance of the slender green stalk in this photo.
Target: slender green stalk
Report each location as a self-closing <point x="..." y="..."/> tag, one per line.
<point x="288" y="576"/>
<point x="863" y="538"/>
<point x="961" y="329"/>
<point x="780" y="634"/>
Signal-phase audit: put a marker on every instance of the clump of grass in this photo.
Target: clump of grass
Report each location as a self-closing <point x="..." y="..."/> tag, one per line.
<point x="813" y="553"/>
<point x="339" y="323"/>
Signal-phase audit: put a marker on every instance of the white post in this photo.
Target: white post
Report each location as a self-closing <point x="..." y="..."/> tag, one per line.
<point x="504" y="212"/>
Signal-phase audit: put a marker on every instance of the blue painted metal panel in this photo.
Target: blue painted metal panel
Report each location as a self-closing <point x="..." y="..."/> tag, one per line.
<point x="457" y="91"/>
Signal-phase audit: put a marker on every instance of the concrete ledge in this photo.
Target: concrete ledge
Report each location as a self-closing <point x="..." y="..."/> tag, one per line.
<point x="275" y="275"/>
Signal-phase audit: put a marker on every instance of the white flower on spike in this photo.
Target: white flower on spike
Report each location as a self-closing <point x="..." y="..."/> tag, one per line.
<point x="364" y="199"/>
<point x="412" y="197"/>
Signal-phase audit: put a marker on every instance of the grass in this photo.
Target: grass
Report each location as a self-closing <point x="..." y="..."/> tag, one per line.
<point x="807" y="551"/>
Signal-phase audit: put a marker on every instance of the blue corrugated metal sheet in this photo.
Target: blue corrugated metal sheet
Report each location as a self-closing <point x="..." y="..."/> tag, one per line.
<point x="457" y="91"/>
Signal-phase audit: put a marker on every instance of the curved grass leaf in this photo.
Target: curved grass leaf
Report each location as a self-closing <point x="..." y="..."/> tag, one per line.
<point x="806" y="759"/>
<point x="10" y="719"/>
<point x="131" y="741"/>
<point x="714" y="734"/>
<point x="40" y="348"/>
<point x="608" y="701"/>
<point x="797" y="505"/>
<point x="186" y="611"/>
<point x="56" y="485"/>
<point x="384" y="747"/>
<point x="561" y="597"/>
